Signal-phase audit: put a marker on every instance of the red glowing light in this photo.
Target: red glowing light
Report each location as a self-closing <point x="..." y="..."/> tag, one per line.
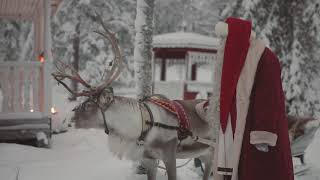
<point x="41" y="57"/>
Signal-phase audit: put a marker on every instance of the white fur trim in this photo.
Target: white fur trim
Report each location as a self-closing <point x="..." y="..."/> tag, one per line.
<point x="221" y="30"/>
<point x="259" y="137"/>
<point x="201" y="111"/>
<point x="244" y="88"/>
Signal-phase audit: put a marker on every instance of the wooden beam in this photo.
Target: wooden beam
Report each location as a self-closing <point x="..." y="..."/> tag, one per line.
<point x="24" y="9"/>
<point x="47" y="95"/>
<point x="35" y="8"/>
<point x="15" y="17"/>
<point x="16" y="122"/>
<point x="1" y="7"/>
<point x="5" y="6"/>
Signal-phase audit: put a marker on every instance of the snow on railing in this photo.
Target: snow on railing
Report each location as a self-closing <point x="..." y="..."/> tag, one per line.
<point x="20" y="83"/>
<point x="171" y="89"/>
<point x="196" y="86"/>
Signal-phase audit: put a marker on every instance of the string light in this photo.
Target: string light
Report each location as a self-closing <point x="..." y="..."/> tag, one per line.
<point x="41" y="57"/>
<point x="53" y="110"/>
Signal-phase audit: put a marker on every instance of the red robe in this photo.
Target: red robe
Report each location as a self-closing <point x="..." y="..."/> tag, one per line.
<point x="266" y="113"/>
<point x="251" y="98"/>
<point x="261" y="118"/>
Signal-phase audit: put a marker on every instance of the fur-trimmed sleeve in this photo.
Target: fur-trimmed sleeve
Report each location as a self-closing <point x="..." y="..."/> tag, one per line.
<point x="266" y="97"/>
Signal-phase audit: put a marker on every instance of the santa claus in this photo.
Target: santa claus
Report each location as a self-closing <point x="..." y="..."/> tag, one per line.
<point x="253" y="142"/>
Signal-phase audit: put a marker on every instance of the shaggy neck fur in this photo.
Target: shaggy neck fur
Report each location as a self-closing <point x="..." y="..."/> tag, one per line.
<point x="123" y="118"/>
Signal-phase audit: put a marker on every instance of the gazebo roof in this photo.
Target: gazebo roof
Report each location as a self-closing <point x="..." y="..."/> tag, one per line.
<point x="23" y="9"/>
<point x="185" y="40"/>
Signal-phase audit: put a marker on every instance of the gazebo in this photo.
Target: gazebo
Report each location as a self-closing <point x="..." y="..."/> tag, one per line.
<point x="26" y="85"/>
<point x="183" y="64"/>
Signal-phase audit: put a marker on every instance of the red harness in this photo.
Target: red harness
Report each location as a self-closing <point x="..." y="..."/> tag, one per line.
<point x="177" y="109"/>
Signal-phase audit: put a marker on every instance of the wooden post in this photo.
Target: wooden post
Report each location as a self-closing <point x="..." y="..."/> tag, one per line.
<point x="47" y="84"/>
<point x="36" y="89"/>
<point x="163" y="69"/>
<point x="37" y="74"/>
<point x="5" y="91"/>
<point x="153" y="66"/>
<point x="27" y="87"/>
<point x="35" y="37"/>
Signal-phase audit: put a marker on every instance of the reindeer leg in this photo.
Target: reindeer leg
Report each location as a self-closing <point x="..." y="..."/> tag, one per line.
<point x="208" y="161"/>
<point x="207" y="170"/>
<point x="169" y="158"/>
<point x="151" y="165"/>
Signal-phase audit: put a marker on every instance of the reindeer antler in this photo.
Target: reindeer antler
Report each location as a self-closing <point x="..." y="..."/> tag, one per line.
<point x="116" y="68"/>
<point x="118" y="61"/>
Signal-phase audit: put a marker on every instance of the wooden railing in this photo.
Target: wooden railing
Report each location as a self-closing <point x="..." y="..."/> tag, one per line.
<point x="20" y="84"/>
<point x="176" y="89"/>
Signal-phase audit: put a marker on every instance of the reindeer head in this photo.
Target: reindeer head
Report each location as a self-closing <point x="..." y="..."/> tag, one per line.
<point x="98" y="97"/>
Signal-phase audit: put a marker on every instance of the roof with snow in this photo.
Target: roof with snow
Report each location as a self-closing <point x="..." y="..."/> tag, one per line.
<point x="185" y="40"/>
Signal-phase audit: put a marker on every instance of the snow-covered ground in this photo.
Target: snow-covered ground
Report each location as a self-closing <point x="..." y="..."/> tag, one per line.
<point x="313" y="159"/>
<point x="75" y="155"/>
<point x="83" y="155"/>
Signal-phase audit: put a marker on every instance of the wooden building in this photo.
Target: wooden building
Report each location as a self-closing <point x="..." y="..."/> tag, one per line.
<point x="183" y="64"/>
<point x="26" y="85"/>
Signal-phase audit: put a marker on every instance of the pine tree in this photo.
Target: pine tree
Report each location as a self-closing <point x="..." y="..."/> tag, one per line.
<point x="302" y="98"/>
<point x="290" y="30"/>
<point x="94" y="51"/>
<point x="13" y="40"/>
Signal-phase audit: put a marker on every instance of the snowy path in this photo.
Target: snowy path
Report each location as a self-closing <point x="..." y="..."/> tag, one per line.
<point x="83" y="155"/>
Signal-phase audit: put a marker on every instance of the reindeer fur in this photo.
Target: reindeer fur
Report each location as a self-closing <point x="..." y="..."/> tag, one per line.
<point x="123" y="118"/>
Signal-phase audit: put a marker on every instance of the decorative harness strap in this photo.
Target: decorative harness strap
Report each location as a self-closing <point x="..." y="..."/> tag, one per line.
<point x="146" y="116"/>
<point x="177" y="109"/>
<point x="147" y="119"/>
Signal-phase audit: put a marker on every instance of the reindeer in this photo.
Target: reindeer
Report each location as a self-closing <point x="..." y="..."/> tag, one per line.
<point x="127" y="121"/>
